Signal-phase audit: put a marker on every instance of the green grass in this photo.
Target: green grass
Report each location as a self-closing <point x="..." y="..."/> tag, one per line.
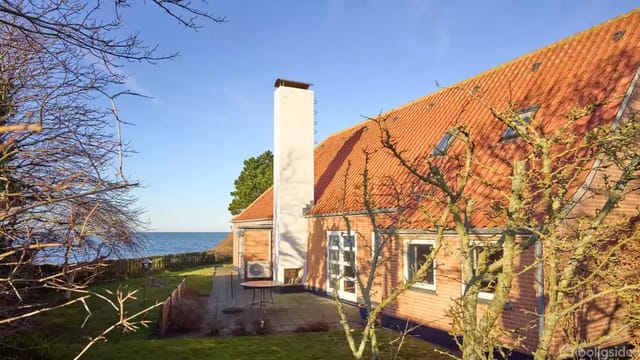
<point x="328" y="345"/>
<point x="60" y="335"/>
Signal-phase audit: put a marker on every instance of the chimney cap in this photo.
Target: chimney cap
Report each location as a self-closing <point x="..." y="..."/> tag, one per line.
<point x="291" y="83"/>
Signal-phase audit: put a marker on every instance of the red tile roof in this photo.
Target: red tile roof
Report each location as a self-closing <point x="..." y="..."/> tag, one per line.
<point x="260" y="208"/>
<point x="586" y="67"/>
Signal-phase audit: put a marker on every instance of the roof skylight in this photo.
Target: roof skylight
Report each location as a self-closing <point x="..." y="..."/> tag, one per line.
<point x="618" y="35"/>
<point x="524" y="117"/>
<point x="443" y="145"/>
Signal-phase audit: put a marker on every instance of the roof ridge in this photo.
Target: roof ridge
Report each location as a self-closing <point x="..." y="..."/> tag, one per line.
<point x="492" y="69"/>
<point x="361" y="124"/>
<point x="264" y="193"/>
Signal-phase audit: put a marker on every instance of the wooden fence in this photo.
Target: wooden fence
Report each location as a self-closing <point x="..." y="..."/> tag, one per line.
<point x="108" y="270"/>
<point x="169" y="304"/>
<point x="133" y="267"/>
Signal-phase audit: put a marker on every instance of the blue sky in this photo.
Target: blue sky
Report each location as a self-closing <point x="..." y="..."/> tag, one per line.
<point x="212" y="106"/>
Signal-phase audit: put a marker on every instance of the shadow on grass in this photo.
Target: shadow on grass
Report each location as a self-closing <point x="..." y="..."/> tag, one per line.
<point x="64" y="332"/>
<point x="59" y="334"/>
<point x="323" y="345"/>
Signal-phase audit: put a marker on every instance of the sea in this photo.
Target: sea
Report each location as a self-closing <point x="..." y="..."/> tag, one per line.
<point x="150" y="244"/>
<point x="165" y="243"/>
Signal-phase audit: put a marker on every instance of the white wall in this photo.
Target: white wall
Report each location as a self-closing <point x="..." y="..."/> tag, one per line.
<point x="292" y="176"/>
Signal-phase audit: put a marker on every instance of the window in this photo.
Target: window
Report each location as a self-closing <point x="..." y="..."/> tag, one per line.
<point x="376" y="243"/>
<point x="524" y="117"/>
<point x="416" y="255"/>
<point x="443" y="145"/>
<point x="487" y="279"/>
<point x="341" y="255"/>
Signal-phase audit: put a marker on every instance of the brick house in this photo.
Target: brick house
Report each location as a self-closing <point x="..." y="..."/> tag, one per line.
<point x="601" y="63"/>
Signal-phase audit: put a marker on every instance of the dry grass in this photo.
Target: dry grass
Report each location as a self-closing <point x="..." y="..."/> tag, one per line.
<point x="224" y="249"/>
<point x="186" y="317"/>
<point x="314" y="327"/>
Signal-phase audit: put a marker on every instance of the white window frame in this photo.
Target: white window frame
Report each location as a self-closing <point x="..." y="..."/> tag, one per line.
<point x="420" y="285"/>
<point x="375" y="235"/>
<point x="482" y="294"/>
<point x="342" y="294"/>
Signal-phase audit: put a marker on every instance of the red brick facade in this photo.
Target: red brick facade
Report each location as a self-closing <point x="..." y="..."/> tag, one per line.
<point x="257" y="245"/>
<point x="418" y="305"/>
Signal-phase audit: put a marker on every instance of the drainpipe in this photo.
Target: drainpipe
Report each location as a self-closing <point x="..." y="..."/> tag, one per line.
<point x="270" y="253"/>
<point x="539" y="287"/>
<point x="240" y="233"/>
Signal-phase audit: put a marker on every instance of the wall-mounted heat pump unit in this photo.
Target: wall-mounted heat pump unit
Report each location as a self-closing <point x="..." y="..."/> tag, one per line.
<point x="258" y="269"/>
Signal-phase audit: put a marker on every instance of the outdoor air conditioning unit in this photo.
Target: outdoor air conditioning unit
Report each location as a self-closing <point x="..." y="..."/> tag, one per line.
<point x="258" y="269"/>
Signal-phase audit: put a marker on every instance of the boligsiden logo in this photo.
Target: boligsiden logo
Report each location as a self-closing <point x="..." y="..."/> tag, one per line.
<point x="596" y="353"/>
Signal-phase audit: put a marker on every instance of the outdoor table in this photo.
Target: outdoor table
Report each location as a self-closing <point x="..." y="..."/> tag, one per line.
<point x="262" y="285"/>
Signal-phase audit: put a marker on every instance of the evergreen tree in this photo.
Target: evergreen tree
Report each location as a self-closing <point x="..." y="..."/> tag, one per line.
<point x="256" y="177"/>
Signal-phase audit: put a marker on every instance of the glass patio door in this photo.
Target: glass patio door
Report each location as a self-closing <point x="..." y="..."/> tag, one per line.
<point x="341" y="250"/>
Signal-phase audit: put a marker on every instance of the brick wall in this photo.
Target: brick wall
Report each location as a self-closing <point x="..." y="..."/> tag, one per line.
<point x="601" y="317"/>
<point x="418" y="305"/>
<point x="256" y="244"/>
<point x="317" y="245"/>
<point x="595" y="319"/>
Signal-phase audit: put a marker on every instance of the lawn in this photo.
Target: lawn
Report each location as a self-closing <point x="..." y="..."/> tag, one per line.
<point x="60" y="336"/>
<point x="322" y="345"/>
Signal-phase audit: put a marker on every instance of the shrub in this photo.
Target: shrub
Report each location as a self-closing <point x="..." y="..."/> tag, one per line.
<point x="25" y="346"/>
<point x="240" y="328"/>
<point x="262" y="327"/>
<point x="186" y="316"/>
<point x="315" y="326"/>
<point x="214" y="328"/>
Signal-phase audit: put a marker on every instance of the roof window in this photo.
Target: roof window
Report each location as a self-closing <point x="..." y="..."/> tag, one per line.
<point x="524" y="117"/>
<point x="443" y="145"/>
<point x="536" y="66"/>
<point x="618" y="35"/>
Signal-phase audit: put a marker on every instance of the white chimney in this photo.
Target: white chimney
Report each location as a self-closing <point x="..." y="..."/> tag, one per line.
<point x="292" y="176"/>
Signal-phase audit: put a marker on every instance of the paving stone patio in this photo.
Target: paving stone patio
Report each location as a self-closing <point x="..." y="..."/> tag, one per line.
<point x="229" y="311"/>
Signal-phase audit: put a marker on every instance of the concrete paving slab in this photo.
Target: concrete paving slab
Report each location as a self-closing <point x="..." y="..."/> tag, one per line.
<point x="229" y="310"/>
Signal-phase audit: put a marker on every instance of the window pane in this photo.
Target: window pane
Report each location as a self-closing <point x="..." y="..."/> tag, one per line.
<point x="509" y="134"/>
<point x="348" y="271"/>
<point x="487" y="279"/>
<point x="417" y="257"/>
<point x="349" y="286"/>
<point x="349" y="241"/>
<point x="521" y="119"/>
<point x="376" y="244"/>
<point x="334" y="240"/>
<point x="334" y="255"/>
<point x="443" y="145"/>
<point x="334" y="269"/>
<point x="348" y="256"/>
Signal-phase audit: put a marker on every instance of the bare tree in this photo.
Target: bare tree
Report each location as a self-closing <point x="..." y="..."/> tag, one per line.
<point x="63" y="193"/>
<point x="92" y="26"/>
<point x="579" y="249"/>
<point x="535" y="209"/>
